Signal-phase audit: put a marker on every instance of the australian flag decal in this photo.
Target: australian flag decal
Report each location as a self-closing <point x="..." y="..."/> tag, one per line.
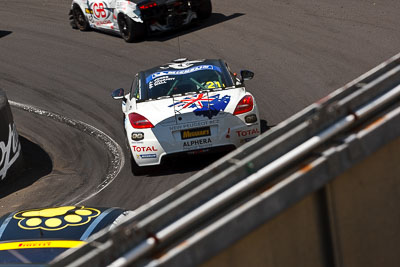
<point x="207" y="106"/>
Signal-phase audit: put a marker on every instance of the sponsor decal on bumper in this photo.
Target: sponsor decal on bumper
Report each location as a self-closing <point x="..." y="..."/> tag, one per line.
<point x="194" y="133"/>
<point x="205" y="142"/>
<point x="148" y="156"/>
<point x="250" y="132"/>
<point x="193" y="124"/>
<point x="143" y="148"/>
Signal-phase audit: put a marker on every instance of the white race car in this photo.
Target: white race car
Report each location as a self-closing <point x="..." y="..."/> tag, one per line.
<point x="187" y="107"/>
<point x="132" y="19"/>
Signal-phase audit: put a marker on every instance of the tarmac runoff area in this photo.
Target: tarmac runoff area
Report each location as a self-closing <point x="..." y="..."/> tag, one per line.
<point x="38" y="163"/>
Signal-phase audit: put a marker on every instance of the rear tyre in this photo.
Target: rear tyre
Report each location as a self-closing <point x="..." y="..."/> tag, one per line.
<point x="79" y="19"/>
<point x="205" y="9"/>
<point x="137" y="170"/>
<point x="71" y="20"/>
<point x="131" y="31"/>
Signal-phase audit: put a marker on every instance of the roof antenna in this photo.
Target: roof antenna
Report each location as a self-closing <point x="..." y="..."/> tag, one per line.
<point x="179" y="47"/>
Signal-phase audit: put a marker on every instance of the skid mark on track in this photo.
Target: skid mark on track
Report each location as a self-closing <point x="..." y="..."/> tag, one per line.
<point x="114" y="150"/>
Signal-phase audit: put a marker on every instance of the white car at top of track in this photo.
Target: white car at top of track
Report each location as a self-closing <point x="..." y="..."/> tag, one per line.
<point x="187" y="107"/>
<point x="132" y="19"/>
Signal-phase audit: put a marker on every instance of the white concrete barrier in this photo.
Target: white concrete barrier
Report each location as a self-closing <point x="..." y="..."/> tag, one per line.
<point x="10" y="147"/>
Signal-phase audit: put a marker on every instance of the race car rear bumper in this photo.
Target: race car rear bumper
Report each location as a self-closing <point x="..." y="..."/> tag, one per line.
<point x="170" y="16"/>
<point x="159" y="143"/>
<point x="211" y="150"/>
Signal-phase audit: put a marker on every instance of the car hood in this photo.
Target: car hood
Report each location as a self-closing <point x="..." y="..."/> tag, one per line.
<point x="62" y="223"/>
<point x="39" y="235"/>
<point x="34" y="251"/>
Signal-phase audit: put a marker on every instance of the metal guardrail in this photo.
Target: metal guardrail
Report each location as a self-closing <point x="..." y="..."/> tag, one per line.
<point x="229" y="233"/>
<point x="168" y="218"/>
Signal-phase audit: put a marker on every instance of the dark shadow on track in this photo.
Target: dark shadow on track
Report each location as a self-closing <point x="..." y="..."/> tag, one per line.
<point x="214" y="19"/>
<point x="264" y="126"/>
<point x="4" y="33"/>
<point x="37" y="164"/>
<point x="183" y="164"/>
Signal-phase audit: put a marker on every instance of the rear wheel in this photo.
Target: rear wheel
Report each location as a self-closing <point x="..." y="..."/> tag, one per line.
<point x="139" y="171"/>
<point x="136" y="169"/>
<point x="131" y="31"/>
<point x="205" y="9"/>
<point x="79" y="19"/>
<point x="71" y="20"/>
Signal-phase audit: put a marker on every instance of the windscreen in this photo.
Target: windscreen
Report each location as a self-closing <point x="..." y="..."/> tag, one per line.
<point x="190" y="80"/>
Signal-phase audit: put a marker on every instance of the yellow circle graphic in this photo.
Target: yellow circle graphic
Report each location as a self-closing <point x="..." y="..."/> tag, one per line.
<point x="52" y="212"/>
<point x="73" y="218"/>
<point x="53" y="222"/>
<point x="33" y="222"/>
<point x="52" y="219"/>
<point x="55" y="211"/>
<point x="83" y="212"/>
<point x="30" y="214"/>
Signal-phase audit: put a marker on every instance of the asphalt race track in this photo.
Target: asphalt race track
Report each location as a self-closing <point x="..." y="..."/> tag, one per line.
<point x="299" y="50"/>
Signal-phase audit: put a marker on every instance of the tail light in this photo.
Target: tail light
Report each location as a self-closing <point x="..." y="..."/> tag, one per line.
<point x="147" y="5"/>
<point x="139" y="122"/>
<point x="245" y="105"/>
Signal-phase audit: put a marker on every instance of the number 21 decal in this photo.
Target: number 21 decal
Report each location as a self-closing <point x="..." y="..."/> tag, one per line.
<point x="214" y="85"/>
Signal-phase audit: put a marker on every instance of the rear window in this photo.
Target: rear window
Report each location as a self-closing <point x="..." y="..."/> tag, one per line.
<point x="181" y="81"/>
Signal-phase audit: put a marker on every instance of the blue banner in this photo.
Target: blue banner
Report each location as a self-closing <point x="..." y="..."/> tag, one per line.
<point x="181" y="72"/>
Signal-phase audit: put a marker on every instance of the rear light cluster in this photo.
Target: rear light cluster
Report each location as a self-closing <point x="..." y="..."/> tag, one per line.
<point x="139" y="122"/>
<point x="245" y="105"/>
<point x="147" y="5"/>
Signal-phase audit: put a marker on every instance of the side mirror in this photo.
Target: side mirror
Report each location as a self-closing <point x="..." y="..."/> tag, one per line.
<point x="118" y="94"/>
<point x="246" y="75"/>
